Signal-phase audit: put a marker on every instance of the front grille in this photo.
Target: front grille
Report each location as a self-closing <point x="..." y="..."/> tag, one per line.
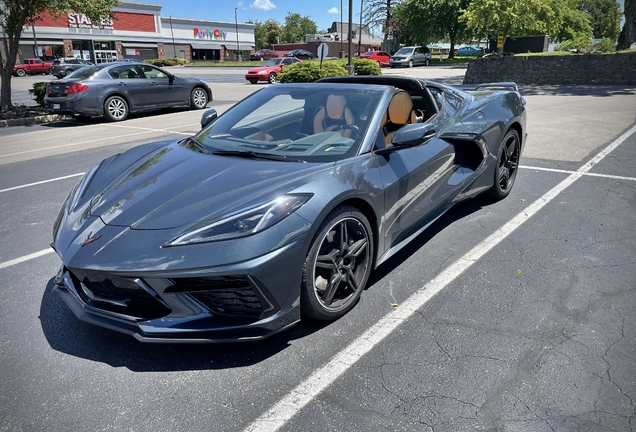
<point x="117" y="294"/>
<point x="226" y="296"/>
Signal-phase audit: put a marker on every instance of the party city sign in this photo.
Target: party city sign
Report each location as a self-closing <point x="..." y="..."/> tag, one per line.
<point x="207" y="34"/>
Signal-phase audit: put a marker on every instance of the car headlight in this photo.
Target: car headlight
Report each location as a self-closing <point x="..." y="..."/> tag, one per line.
<point x="263" y="72"/>
<point x="82" y="186"/>
<point x="243" y="223"/>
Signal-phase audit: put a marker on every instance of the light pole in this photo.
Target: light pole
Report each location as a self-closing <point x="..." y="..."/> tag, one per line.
<point x="360" y="29"/>
<point x="238" y="56"/>
<point x="174" y="49"/>
<point x="350" y="67"/>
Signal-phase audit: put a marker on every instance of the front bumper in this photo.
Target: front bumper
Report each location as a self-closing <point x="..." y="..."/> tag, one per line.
<point x="231" y="303"/>
<point x="257" y="77"/>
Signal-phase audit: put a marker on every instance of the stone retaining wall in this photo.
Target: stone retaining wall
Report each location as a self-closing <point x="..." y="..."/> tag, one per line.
<point x="567" y="69"/>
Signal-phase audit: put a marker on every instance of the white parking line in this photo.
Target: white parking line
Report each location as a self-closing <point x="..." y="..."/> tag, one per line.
<point x="41" y="182"/>
<point x="73" y="144"/>
<point x="610" y="176"/>
<point x="26" y="258"/>
<point x="306" y="391"/>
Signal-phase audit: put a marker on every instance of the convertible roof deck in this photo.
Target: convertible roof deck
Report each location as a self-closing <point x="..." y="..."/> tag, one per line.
<point x="394" y="81"/>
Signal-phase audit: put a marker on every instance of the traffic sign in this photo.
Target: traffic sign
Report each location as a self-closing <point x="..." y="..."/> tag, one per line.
<point x="323" y="50"/>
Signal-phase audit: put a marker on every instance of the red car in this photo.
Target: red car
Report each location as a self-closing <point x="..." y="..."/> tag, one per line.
<point x="381" y="57"/>
<point x="269" y="70"/>
<point x="264" y="54"/>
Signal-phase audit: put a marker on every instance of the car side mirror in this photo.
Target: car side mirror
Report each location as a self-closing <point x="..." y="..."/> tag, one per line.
<point x="413" y="135"/>
<point x="208" y="117"/>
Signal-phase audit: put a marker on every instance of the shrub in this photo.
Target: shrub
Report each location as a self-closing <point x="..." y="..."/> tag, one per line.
<point x="579" y="44"/>
<point x="310" y="72"/>
<point x="167" y="61"/>
<point x="366" y="67"/>
<point x="39" y="91"/>
<point x="605" y="45"/>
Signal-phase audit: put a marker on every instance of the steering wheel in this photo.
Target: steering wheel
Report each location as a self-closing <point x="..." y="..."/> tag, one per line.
<point x="353" y="128"/>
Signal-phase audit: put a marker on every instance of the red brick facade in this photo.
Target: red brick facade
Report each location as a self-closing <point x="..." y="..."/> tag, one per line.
<point x="123" y="21"/>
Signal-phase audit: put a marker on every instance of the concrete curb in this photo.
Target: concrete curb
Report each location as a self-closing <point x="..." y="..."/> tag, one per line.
<point x="33" y="120"/>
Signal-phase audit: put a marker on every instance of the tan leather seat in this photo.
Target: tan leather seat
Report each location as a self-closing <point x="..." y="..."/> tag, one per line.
<point x="333" y="116"/>
<point x="399" y="113"/>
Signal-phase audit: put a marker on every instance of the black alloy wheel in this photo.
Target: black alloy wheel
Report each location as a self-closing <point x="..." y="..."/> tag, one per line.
<point x="506" y="172"/>
<point x="338" y="265"/>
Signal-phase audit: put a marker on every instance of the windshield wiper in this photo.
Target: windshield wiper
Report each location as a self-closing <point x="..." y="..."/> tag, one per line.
<point x="196" y="144"/>
<point x="255" y="155"/>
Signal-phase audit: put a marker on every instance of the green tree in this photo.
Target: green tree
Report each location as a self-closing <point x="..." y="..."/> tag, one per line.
<point x="605" y="15"/>
<point x="513" y="17"/>
<point x="442" y="18"/>
<point x="570" y="24"/>
<point x="267" y="34"/>
<point x="16" y="14"/>
<point x="296" y="27"/>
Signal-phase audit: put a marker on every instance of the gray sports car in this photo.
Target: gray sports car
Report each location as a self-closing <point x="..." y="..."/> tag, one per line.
<point x="116" y="89"/>
<point x="282" y="206"/>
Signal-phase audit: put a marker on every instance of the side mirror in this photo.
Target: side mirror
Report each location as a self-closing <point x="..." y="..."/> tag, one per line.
<point x="413" y="135"/>
<point x="208" y="117"/>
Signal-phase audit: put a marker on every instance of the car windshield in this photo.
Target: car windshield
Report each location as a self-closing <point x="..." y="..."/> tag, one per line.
<point x="272" y="62"/>
<point x="404" y="51"/>
<point x="310" y="123"/>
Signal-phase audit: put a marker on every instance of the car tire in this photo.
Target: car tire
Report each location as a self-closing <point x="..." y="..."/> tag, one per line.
<point x="48" y="71"/>
<point x="410" y="63"/>
<point x="198" y="98"/>
<point x="341" y="254"/>
<point x="116" y="109"/>
<point x="253" y="81"/>
<point x="507" y="165"/>
<point x="379" y="64"/>
<point x="272" y="78"/>
<point x="427" y="62"/>
<point x="261" y="58"/>
<point x="67" y="72"/>
<point x="20" y="72"/>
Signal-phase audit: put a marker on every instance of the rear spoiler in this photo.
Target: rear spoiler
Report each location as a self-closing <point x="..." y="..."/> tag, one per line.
<point x="489" y="86"/>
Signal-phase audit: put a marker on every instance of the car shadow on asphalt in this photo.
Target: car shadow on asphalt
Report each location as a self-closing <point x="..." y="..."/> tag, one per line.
<point x="66" y="333"/>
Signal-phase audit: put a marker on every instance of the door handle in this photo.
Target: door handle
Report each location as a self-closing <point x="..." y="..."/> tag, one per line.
<point x="121" y="84"/>
<point x="152" y="83"/>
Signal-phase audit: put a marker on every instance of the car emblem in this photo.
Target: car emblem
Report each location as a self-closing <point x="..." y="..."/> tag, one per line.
<point x="90" y="239"/>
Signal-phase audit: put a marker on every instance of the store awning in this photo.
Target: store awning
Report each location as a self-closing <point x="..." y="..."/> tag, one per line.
<point x="139" y="45"/>
<point x="40" y="42"/>
<point x="206" y="46"/>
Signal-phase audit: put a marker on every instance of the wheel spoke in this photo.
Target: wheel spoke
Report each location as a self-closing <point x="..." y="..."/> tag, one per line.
<point x="343" y="237"/>
<point x="357" y="248"/>
<point x="328" y="261"/>
<point x="504" y="175"/>
<point x="351" y="279"/>
<point x="331" y="289"/>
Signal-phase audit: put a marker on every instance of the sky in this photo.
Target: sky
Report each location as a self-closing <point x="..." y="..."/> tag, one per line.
<point x="323" y="12"/>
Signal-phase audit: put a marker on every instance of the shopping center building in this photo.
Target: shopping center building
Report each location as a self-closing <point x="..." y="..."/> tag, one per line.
<point x="138" y="32"/>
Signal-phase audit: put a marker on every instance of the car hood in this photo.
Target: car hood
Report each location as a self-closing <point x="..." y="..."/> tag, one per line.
<point x="264" y="68"/>
<point x="175" y="186"/>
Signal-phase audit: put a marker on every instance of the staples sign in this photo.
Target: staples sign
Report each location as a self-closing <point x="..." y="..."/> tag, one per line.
<point x="78" y="20"/>
<point x="207" y="34"/>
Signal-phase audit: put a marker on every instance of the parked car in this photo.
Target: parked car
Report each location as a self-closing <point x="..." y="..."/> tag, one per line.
<point x="381" y="57"/>
<point x="31" y="66"/>
<point x="128" y="60"/>
<point x="411" y="56"/>
<point x="264" y="54"/>
<point x="282" y="206"/>
<point x="65" y="66"/>
<point x="116" y="89"/>
<point x="299" y="54"/>
<point x="269" y="70"/>
<point x="468" y="51"/>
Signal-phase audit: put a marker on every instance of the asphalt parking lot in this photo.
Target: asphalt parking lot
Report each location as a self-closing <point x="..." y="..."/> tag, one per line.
<point x="514" y="315"/>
